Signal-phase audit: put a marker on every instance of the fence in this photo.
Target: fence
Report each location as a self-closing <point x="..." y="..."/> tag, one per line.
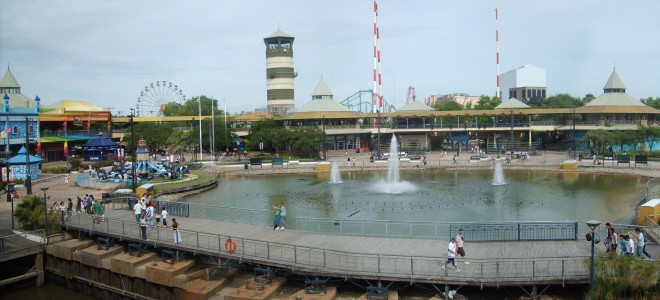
<point x="492" y="271"/>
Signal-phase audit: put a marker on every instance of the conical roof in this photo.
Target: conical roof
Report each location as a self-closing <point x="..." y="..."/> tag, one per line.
<point x="322" y="90"/>
<point x="614" y="82"/>
<point x="279" y="33"/>
<point x="512" y="103"/>
<point x="614" y="94"/>
<point x="415" y="106"/>
<point x="19" y="158"/>
<point x="8" y="81"/>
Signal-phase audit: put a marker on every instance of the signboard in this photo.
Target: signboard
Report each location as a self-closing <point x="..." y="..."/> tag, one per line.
<point x="4" y="173"/>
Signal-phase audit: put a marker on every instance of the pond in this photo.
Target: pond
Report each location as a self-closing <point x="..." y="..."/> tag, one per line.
<point x="437" y="195"/>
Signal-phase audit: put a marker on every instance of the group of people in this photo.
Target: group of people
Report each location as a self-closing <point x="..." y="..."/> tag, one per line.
<point x="86" y="205"/>
<point x="144" y="210"/>
<point x="633" y="243"/>
<point x="280" y="217"/>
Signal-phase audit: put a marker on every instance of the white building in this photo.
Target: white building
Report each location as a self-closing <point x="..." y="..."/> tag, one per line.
<point x="526" y="83"/>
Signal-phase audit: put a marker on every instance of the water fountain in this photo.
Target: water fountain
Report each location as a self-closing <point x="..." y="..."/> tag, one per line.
<point x="498" y="175"/>
<point x="335" y="176"/>
<point x="393" y="184"/>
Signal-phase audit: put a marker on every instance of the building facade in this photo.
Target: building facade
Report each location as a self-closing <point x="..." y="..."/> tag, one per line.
<point x="19" y="117"/>
<point x="526" y="84"/>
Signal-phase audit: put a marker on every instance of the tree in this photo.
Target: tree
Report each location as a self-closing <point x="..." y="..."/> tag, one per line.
<point x="561" y="101"/>
<point x="587" y="98"/>
<point x="306" y="141"/>
<point x="447" y="106"/>
<point x="487" y="103"/>
<point x="652" y="102"/>
<point x="156" y="135"/>
<point x="179" y="140"/>
<point x="271" y="133"/>
<point x="598" y="139"/>
<point x="649" y="134"/>
<point x="30" y="214"/>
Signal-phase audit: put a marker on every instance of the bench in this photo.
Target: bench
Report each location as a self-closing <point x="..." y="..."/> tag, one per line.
<point x="641" y="159"/>
<point x="277" y="161"/>
<point x="623" y="159"/>
<point x="255" y="161"/>
<point x="608" y="158"/>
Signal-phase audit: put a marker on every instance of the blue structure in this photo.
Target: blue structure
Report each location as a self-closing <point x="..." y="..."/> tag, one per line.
<point x="98" y="149"/>
<point x="17" y="165"/>
<point x="19" y="113"/>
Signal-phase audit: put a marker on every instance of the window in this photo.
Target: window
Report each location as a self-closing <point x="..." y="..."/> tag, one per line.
<point x="15" y="131"/>
<point x="31" y="129"/>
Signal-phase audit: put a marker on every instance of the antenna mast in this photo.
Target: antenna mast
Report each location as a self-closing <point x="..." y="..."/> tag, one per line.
<point x="497" y="54"/>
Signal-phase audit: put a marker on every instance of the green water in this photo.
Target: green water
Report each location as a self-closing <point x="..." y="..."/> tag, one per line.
<point x="438" y="195"/>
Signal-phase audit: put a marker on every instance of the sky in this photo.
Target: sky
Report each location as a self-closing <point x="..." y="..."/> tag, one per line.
<point x="106" y="52"/>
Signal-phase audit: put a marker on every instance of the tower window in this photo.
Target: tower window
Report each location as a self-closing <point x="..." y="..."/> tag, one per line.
<point x="31" y="129"/>
<point x="15" y="130"/>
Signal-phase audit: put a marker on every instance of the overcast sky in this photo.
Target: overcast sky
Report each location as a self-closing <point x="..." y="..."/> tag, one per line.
<point x="105" y="52"/>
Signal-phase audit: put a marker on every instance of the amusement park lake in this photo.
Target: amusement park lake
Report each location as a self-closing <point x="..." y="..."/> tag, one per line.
<point x="437" y="195"/>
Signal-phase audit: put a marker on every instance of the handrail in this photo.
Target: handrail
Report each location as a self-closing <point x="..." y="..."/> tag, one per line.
<point x="340" y="263"/>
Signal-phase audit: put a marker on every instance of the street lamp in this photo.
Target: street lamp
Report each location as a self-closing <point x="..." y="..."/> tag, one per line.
<point x="44" y="189"/>
<point x="594" y="240"/>
<point x="10" y="188"/>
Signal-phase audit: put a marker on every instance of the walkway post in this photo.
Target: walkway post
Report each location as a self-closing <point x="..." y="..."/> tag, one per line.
<point x="10" y="198"/>
<point x="592" y="224"/>
<point x="44" y="189"/>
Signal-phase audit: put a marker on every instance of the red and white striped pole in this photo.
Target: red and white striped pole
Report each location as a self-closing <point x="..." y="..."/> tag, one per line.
<point x="376" y="92"/>
<point x="497" y="54"/>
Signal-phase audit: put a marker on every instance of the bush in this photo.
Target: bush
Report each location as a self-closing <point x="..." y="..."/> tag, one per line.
<point x="58" y="170"/>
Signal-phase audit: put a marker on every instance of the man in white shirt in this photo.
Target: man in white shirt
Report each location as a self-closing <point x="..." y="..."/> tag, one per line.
<point x="163" y="215"/>
<point x="137" y="210"/>
<point x="150" y="216"/>
<point x="451" y="255"/>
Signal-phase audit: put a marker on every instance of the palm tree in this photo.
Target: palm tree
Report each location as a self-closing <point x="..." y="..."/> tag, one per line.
<point x="30" y="213"/>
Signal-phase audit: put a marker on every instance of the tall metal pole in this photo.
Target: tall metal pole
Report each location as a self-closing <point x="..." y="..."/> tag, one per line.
<point x="133" y="154"/>
<point x="201" y="156"/>
<point x="212" y="137"/>
<point x="28" y="178"/>
<point x="574" y="141"/>
<point x="378" y="141"/>
<point x="511" y="112"/>
<point x="225" y="112"/>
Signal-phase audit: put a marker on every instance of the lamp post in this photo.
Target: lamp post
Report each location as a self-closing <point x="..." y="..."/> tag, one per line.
<point x="28" y="177"/>
<point x="591" y="237"/>
<point x="133" y="156"/>
<point x="10" y="187"/>
<point x="44" y="189"/>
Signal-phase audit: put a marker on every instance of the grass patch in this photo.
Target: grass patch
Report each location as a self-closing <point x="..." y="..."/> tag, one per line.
<point x="165" y="184"/>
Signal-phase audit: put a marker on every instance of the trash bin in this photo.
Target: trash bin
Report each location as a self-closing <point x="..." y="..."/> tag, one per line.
<point x="245" y="166"/>
<point x="143" y="231"/>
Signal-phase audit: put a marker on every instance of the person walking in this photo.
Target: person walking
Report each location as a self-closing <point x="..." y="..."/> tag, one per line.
<point x="630" y="245"/>
<point x="69" y="209"/>
<point x="276" y="220"/>
<point x="613" y="241"/>
<point x="640" y="243"/>
<point x="143" y="227"/>
<point x="459" y="245"/>
<point x="150" y="216"/>
<point x="451" y="255"/>
<point x="282" y="222"/>
<point x="81" y="206"/>
<point x="66" y="179"/>
<point x="96" y="207"/>
<point x="137" y="210"/>
<point x="163" y="214"/>
<point x="177" y="234"/>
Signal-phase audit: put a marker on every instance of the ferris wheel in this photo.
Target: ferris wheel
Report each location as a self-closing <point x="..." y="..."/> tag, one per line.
<point x="155" y="95"/>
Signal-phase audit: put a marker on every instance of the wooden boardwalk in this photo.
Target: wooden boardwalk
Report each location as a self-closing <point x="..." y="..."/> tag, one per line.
<point x="396" y="259"/>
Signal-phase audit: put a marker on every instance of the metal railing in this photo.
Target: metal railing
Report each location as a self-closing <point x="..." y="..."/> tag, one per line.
<point x="329" y="262"/>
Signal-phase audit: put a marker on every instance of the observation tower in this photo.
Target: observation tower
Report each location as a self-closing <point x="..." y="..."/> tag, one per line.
<point x="279" y="73"/>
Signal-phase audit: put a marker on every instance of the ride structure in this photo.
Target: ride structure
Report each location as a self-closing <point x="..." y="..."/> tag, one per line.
<point x="155" y="96"/>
